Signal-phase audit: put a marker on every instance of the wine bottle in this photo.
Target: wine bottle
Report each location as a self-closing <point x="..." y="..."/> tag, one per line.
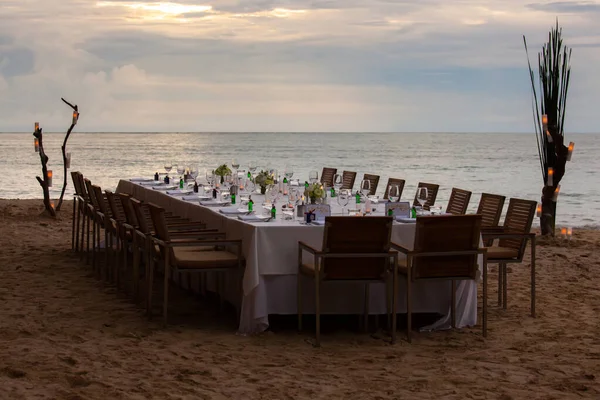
<point x="195" y="187"/>
<point x="156" y="176"/>
<point x="357" y="197"/>
<point x="250" y="204"/>
<point x="273" y="212"/>
<point x="181" y="182"/>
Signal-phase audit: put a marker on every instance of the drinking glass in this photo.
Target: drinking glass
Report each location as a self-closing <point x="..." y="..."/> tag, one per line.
<point x="235" y="164"/>
<point x="338" y="181"/>
<point x="180" y="168"/>
<point x="288" y="172"/>
<point x="250" y="185"/>
<point x="365" y="187"/>
<point x="394" y="193"/>
<point x="168" y="166"/>
<point x="252" y="167"/>
<point x="272" y="193"/>
<point x="422" y="196"/>
<point x="313" y="176"/>
<point x="194" y="172"/>
<point x="209" y="176"/>
<point x="343" y="198"/>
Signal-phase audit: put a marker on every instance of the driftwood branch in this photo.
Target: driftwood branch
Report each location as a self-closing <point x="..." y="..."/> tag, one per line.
<point x="64" y="151"/>
<point x="44" y="182"/>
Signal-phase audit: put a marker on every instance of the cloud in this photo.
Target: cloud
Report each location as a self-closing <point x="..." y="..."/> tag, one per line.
<point x="260" y="65"/>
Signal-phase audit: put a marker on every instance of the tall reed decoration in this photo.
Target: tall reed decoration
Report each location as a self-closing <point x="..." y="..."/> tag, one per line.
<point x="549" y="108"/>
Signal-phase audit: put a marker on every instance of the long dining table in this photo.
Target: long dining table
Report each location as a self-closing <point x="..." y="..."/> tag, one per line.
<point x="269" y="280"/>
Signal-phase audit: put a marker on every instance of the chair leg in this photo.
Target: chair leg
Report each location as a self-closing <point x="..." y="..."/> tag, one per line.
<point x="394" y="303"/>
<point x="504" y="287"/>
<point x="366" y="308"/>
<point x="533" y="277"/>
<point x="499" y="285"/>
<point x="78" y="222"/>
<point x="94" y="246"/>
<point x="149" y="281"/>
<point x="318" y="311"/>
<point x="135" y="280"/>
<point x="106" y="249"/>
<point x="299" y="301"/>
<point x="409" y="303"/>
<point x="166" y="288"/>
<point x="453" y="304"/>
<point x="86" y="226"/>
<point x="484" y="295"/>
<point x="73" y="224"/>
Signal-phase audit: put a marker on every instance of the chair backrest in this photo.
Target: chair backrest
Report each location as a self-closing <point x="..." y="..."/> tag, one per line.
<point x="356" y="235"/>
<point x="91" y="194"/>
<point x="519" y="218"/>
<point x="374" y="179"/>
<point x="348" y="178"/>
<point x="142" y="222"/>
<point x="394" y="181"/>
<point x="115" y="206"/>
<point x="490" y="209"/>
<point x="444" y="234"/>
<point x="432" y="191"/>
<point x="459" y="201"/>
<point x="75" y="178"/>
<point x="82" y="186"/>
<point x="161" y="230"/>
<point x="327" y="176"/>
<point x="102" y="204"/>
<point x="130" y="216"/>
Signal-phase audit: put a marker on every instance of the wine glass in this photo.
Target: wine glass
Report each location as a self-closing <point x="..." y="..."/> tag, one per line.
<point x="422" y="194"/>
<point x="338" y="181"/>
<point x="365" y="187"/>
<point x="252" y="167"/>
<point x="209" y="176"/>
<point x="272" y="194"/>
<point x="288" y="172"/>
<point x="168" y="166"/>
<point x="313" y="176"/>
<point x="180" y="168"/>
<point x="343" y="198"/>
<point x="194" y="172"/>
<point x="250" y="185"/>
<point x="235" y="163"/>
<point x="394" y="193"/>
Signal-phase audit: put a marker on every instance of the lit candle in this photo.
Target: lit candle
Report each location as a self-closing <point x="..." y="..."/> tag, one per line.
<point x="37" y="126"/>
<point x="556" y="192"/>
<point x="539" y="211"/>
<point x="563" y="232"/>
<point x="52" y="205"/>
<point x="570" y="153"/>
<point x="569" y="233"/>
<point x="75" y="117"/>
<point x="36" y="144"/>
<point x="68" y="160"/>
<point x="550" y="177"/>
<point x="49" y="178"/>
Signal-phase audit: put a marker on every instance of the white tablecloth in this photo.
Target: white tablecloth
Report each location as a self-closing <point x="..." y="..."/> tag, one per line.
<point x="269" y="281"/>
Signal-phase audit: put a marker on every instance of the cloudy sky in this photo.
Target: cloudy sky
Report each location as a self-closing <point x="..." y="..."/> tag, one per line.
<point x="287" y="65"/>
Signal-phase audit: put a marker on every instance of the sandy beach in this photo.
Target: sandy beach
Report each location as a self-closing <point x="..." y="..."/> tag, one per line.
<point x="66" y="335"/>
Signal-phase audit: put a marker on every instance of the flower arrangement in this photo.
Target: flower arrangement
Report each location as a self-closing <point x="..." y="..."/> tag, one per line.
<point x="315" y="191"/>
<point x="263" y="179"/>
<point x="222" y="171"/>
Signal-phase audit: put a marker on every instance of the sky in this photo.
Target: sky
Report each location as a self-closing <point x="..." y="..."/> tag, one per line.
<point x="283" y="65"/>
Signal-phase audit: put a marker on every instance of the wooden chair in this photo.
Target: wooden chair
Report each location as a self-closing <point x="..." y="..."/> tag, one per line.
<point x="447" y="248"/>
<point x="432" y="191"/>
<point x="348" y="178"/>
<point x="190" y="255"/>
<point x="394" y="181"/>
<point x="513" y="237"/>
<point x="490" y="209"/>
<point x="123" y="235"/>
<point x="94" y="221"/>
<point x="327" y="176"/>
<point x="79" y="201"/>
<point x="353" y="249"/>
<point x="105" y="220"/>
<point x="459" y="202"/>
<point x="374" y="180"/>
<point x="85" y="219"/>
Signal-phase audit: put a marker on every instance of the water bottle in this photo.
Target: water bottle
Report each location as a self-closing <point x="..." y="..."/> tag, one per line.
<point x="181" y="182"/>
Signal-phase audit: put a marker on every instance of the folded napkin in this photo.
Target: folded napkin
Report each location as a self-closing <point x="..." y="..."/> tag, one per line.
<point x="195" y="197"/>
<point x="178" y="192"/>
<point x="214" y="203"/>
<point x="254" y="218"/>
<point x="147" y="183"/>
<point x="233" y="211"/>
<point x="142" y="180"/>
<point x="164" y="187"/>
<point x="406" y="220"/>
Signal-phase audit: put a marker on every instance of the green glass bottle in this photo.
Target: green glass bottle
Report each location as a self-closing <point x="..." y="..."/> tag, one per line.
<point x="249" y="175"/>
<point x="357" y="197"/>
<point x="332" y="192"/>
<point x="181" y="183"/>
<point x="250" y="204"/>
<point x="390" y="213"/>
<point x="413" y="212"/>
<point x="233" y="198"/>
<point x="273" y="212"/>
<point x="305" y="185"/>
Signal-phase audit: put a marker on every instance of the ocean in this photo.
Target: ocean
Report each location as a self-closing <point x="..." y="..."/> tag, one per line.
<point x="498" y="163"/>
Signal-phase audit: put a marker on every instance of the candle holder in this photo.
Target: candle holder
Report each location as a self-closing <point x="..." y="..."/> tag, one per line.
<point x="569" y="233"/>
<point x="538" y="211"/>
<point x="563" y="233"/>
<point x="550" y="181"/>
<point x="570" y="151"/>
<point x="36" y="145"/>
<point x="68" y="161"/>
<point x="556" y="192"/>
<point x="49" y="175"/>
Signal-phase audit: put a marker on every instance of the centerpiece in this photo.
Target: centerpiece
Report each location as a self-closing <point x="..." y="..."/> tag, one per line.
<point x="264" y="179"/>
<point x="222" y="171"/>
<point x="315" y="192"/>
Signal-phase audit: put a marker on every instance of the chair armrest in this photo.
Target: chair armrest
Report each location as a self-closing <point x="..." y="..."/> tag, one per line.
<point x="507" y="235"/>
<point x="309" y="248"/>
<point x="401" y="249"/>
<point x="496" y="228"/>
